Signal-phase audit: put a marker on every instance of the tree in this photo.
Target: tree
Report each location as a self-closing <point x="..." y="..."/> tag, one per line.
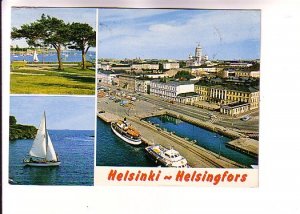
<point x="12" y="120"/>
<point x="82" y="37"/>
<point x="184" y="75"/>
<point x="45" y="32"/>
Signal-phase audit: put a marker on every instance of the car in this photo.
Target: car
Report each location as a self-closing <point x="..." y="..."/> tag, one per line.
<point x="100" y="112"/>
<point x="246" y="118"/>
<point x="212" y="116"/>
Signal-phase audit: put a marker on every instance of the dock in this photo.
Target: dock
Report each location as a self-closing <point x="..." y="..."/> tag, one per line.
<point x="246" y="145"/>
<point x="108" y="117"/>
<point x="209" y="126"/>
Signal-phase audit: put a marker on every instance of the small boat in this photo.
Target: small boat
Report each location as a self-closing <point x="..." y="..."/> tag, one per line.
<point x="166" y="157"/>
<point x="42" y="152"/>
<point x="126" y="132"/>
<point x="35" y="57"/>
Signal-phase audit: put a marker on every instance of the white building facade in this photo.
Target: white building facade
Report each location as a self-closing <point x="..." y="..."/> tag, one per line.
<point x="142" y="86"/>
<point x="170" y="65"/>
<point x="106" y="78"/>
<point x="170" y="90"/>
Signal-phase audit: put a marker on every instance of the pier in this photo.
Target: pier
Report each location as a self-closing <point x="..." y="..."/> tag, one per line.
<point x="108" y="117"/>
<point x="196" y="155"/>
<point x="246" y="145"/>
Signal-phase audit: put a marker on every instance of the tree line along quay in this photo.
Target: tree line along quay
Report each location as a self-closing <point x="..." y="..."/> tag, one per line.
<point x="53" y="32"/>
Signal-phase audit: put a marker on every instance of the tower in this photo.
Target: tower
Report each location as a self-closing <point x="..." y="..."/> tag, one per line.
<point x="198" y="54"/>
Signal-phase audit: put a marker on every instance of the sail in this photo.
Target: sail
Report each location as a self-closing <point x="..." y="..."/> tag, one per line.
<point x="35" y="57"/>
<point x="38" y="148"/>
<point x="50" y="156"/>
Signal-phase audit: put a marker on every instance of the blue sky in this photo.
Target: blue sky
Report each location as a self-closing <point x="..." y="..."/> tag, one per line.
<point x="75" y="113"/>
<point x="174" y="34"/>
<point x="20" y="16"/>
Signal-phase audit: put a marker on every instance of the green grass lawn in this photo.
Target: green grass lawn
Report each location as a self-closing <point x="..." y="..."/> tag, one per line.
<point x="45" y="79"/>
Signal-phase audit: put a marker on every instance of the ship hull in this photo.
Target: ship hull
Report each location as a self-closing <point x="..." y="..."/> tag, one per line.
<point x="41" y="164"/>
<point x="159" y="159"/>
<point x="130" y="141"/>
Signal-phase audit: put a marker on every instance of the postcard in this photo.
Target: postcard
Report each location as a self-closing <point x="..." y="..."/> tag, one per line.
<point x="103" y="96"/>
<point x="177" y="95"/>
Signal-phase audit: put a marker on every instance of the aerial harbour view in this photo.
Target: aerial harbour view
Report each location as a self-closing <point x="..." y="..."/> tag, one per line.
<point x="197" y="106"/>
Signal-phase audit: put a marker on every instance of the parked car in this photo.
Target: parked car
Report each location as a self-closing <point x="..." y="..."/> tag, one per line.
<point x="246" y="118"/>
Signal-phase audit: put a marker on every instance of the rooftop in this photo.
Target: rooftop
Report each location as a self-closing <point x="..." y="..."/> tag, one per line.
<point x="223" y="84"/>
<point x="174" y="83"/>
<point x="188" y="94"/>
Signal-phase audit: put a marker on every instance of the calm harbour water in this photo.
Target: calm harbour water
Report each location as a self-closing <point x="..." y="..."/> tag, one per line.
<point x="67" y="56"/>
<point x="207" y="139"/>
<point x="76" y="152"/>
<point x="112" y="151"/>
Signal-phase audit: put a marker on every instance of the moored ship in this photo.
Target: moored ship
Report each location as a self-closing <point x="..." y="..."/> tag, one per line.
<point x="126" y="132"/>
<point x="166" y="157"/>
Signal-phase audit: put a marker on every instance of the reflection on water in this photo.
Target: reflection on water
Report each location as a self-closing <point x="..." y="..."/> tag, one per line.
<point x="112" y="151"/>
<point x="204" y="138"/>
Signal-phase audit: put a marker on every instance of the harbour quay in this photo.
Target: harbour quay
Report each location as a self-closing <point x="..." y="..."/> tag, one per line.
<point x="245" y="145"/>
<point x="136" y="112"/>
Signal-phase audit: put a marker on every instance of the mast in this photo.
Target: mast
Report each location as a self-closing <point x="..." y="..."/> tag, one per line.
<point x="46" y="133"/>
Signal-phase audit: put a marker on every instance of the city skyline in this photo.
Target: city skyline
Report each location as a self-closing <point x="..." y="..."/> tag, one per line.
<point x="174" y="34"/>
<point x="74" y="113"/>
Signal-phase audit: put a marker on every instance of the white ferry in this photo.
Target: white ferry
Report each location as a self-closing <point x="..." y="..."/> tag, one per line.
<point x="126" y="132"/>
<point x="166" y="157"/>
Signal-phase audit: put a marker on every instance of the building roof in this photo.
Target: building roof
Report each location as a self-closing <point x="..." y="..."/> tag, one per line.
<point x="174" y="83"/>
<point x="108" y="72"/>
<point x="219" y="83"/>
<point x="188" y="94"/>
<point x="235" y="104"/>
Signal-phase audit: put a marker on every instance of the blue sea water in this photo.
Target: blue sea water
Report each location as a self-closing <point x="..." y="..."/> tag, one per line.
<point x="67" y="56"/>
<point x="112" y="151"/>
<point x="76" y="152"/>
<point x="206" y="139"/>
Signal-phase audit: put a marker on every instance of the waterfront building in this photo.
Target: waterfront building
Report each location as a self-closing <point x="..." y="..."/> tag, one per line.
<point x="142" y="85"/>
<point x="145" y="66"/>
<point x="170" y="89"/>
<point x="223" y="93"/>
<point x="127" y="82"/>
<point x="104" y="66"/>
<point x="106" y="77"/>
<point x="188" y="98"/>
<point x="254" y="74"/>
<point x="121" y="67"/>
<point x="235" y="108"/>
<point x="156" y="76"/>
<point x="226" y="73"/>
<point x="170" y="65"/>
<point x="240" y="64"/>
<point x="198" y="59"/>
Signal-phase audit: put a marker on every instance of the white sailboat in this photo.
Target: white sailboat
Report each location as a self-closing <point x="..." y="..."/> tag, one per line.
<point x="35" y="57"/>
<point x="42" y="152"/>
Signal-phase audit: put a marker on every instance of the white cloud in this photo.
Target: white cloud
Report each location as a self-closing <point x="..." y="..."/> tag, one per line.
<point x="211" y="28"/>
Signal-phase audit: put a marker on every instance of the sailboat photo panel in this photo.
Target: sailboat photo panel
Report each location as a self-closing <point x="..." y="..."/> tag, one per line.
<point x="63" y="130"/>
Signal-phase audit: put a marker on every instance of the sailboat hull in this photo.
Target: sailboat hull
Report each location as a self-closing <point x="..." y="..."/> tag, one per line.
<point x="42" y="164"/>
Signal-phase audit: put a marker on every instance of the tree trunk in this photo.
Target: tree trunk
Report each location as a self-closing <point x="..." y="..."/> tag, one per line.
<point x="60" y="65"/>
<point x="83" y="59"/>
